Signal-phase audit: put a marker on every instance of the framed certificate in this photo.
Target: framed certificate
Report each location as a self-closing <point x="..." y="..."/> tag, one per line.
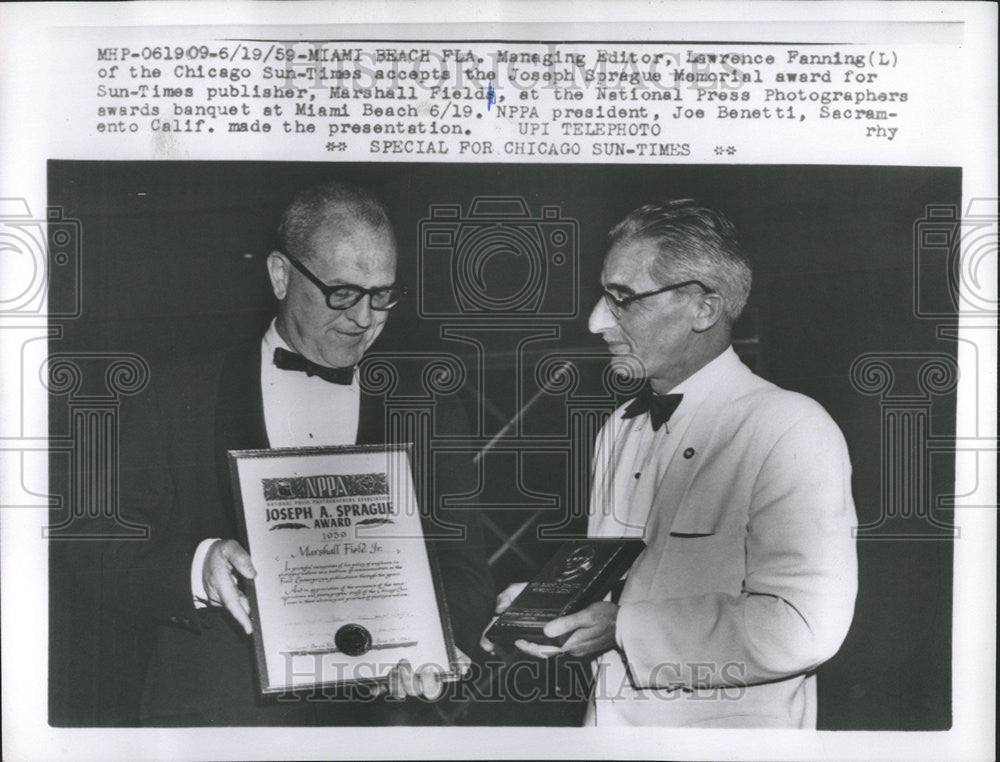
<point x="346" y="585"/>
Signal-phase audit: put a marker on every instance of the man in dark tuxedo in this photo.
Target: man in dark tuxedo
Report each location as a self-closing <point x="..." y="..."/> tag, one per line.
<point x="334" y="277"/>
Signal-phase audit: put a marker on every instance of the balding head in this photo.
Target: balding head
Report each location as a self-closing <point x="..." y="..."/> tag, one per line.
<point x="340" y="234"/>
<point x="333" y="208"/>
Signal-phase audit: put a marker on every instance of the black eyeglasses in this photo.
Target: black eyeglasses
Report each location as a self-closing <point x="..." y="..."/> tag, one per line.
<point x="618" y="305"/>
<point x="343" y="296"/>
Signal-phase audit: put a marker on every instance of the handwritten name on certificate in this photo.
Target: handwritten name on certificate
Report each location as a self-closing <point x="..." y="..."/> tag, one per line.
<point x="345" y="585"/>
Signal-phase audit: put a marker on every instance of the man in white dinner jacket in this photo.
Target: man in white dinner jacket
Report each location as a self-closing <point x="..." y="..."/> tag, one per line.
<point x="741" y="490"/>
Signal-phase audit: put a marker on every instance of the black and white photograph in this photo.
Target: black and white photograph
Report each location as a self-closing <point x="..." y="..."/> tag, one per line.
<point x="526" y="380"/>
<point x="541" y="304"/>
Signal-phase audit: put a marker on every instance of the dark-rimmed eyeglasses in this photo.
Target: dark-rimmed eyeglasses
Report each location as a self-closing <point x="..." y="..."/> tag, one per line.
<point x="343" y="296"/>
<point x="618" y="305"/>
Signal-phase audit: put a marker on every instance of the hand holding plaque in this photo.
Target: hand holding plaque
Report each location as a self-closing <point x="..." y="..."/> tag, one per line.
<point x="579" y="574"/>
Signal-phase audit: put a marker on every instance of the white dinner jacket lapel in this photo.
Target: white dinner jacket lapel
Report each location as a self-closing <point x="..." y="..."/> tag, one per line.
<point x="669" y="508"/>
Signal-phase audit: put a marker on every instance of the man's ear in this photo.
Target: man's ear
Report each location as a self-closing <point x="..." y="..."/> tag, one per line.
<point x="709" y="311"/>
<point x="278" y="270"/>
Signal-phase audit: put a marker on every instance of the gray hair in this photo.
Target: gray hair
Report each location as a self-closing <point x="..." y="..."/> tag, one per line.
<point x="693" y="243"/>
<point x="342" y="205"/>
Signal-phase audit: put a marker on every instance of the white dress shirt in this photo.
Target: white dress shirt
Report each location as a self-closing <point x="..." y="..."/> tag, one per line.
<point x="299" y="411"/>
<point x="631" y="459"/>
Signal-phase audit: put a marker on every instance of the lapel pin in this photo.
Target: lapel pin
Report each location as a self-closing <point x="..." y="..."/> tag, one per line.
<point x="689" y="453"/>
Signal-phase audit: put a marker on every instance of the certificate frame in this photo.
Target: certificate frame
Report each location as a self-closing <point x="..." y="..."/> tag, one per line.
<point x="347" y="670"/>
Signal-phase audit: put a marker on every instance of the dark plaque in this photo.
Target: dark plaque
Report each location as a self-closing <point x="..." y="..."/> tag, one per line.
<point x="580" y="573"/>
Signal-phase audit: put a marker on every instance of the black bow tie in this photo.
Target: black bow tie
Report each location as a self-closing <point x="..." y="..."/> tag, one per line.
<point x="293" y="361"/>
<point x="659" y="406"/>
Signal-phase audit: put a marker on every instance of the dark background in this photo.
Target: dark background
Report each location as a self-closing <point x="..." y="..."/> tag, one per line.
<point x="172" y="260"/>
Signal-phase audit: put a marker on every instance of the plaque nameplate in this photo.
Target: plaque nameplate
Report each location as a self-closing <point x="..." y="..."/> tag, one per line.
<point x="580" y="573"/>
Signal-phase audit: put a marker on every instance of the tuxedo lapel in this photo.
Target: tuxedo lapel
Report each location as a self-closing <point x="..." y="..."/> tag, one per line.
<point x="239" y="415"/>
<point x="371" y="420"/>
<point x="669" y="496"/>
<point x="240" y="411"/>
<point x="689" y="455"/>
<point x="677" y="478"/>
